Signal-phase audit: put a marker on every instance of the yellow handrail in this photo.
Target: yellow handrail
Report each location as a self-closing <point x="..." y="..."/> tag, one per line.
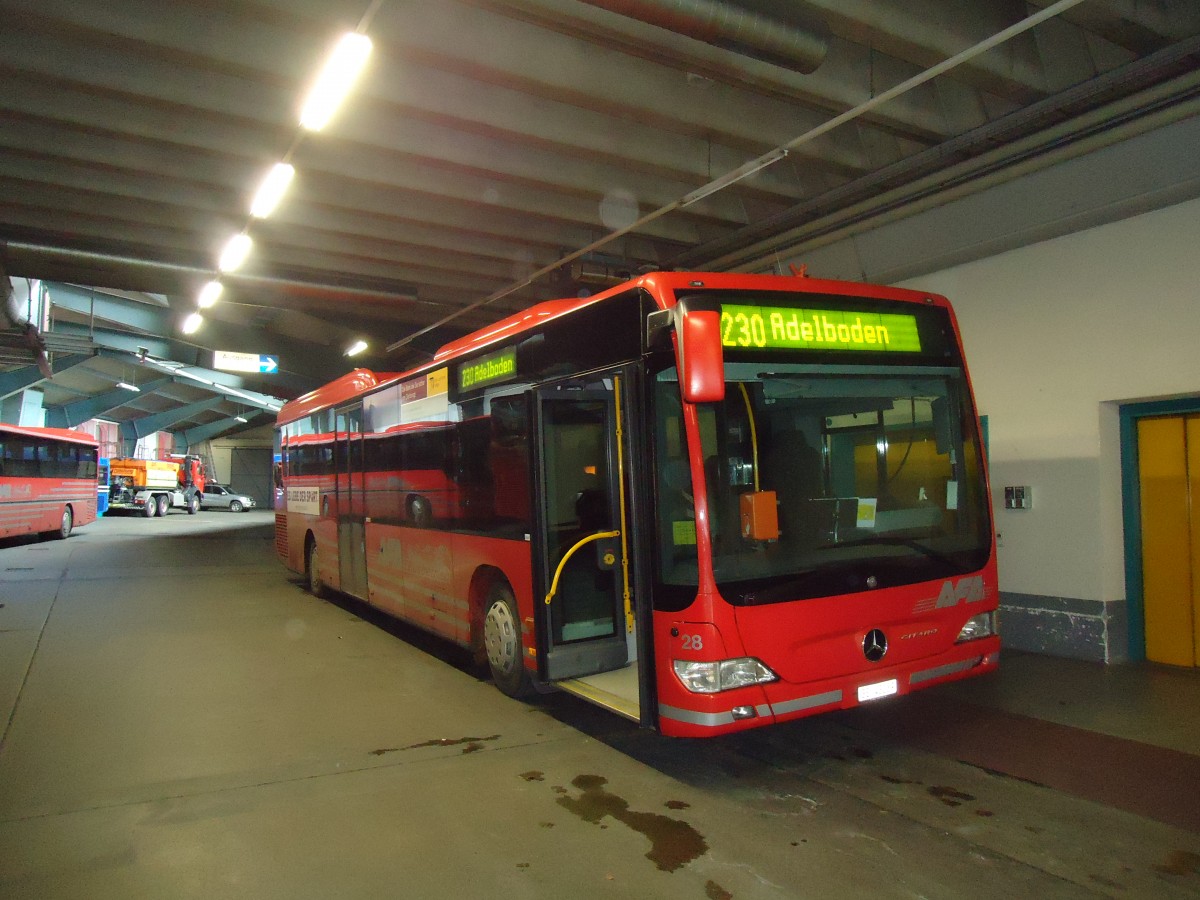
<point x="753" y="432"/>
<point x="625" y="593"/>
<point x="598" y="536"/>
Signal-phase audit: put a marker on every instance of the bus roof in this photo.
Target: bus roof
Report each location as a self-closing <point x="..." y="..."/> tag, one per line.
<point x="62" y="434"/>
<point x="349" y="386"/>
<point x="662" y="286"/>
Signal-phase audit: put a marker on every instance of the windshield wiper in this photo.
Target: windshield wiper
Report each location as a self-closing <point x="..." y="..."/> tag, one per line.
<point x="923" y="549"/>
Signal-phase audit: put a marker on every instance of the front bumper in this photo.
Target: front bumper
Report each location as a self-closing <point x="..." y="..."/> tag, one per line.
<point x="781" y="701"/>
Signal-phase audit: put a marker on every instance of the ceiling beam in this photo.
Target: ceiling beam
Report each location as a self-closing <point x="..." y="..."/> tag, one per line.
<point x="145" y="425"/>
<point x="71" y="414"/>
<point x="16" y="380"/>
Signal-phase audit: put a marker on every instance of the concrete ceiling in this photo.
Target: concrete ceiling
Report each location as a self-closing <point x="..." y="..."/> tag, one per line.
<point x="489" y="140"/>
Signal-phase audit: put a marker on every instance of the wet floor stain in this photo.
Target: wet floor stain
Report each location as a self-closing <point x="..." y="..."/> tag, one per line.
<point x="1181" y="862"/>
<point x="533" y="775"/>
<point x="673" y="842"/>
<point x="892" y="779"/>
<point x="677" y="804"/>
<point x="950" y="796"/>
<point x="714" y="891"/>
<point x="469" y="744"/>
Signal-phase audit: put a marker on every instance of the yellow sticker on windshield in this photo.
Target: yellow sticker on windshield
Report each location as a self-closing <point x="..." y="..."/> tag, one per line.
<point x="683" y="532"/>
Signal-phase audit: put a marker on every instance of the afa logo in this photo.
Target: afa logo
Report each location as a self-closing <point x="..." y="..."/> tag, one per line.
<point x="965" y="590"/>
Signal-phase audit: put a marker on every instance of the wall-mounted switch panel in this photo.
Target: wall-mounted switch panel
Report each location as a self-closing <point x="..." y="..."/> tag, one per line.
<point x="1018" y="497"/>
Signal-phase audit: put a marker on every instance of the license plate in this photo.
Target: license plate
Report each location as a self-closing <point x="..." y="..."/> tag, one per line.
<point x="875" y="691"/>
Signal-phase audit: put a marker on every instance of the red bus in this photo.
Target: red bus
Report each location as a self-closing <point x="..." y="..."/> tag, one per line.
<point x="707" y="502"/>
<point x="47" y="480"/>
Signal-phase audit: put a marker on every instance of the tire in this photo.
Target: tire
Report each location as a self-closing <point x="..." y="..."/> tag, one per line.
<point x="420" y="513"/>
<point x="316" y="587"/>
<point x="502" y="642"/>
<point x="68" y="522"/>
<point x="164" y="504"/>
<point x="193" y="504"/>
<point x="235" y="506"/>
<point x="151" y="507"/>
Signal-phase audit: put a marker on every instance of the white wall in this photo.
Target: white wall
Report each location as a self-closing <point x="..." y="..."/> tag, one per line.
<point x="1056" y="334"/>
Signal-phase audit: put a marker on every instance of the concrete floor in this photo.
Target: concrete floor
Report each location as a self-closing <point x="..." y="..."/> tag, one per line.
<point x="181" y="719"/>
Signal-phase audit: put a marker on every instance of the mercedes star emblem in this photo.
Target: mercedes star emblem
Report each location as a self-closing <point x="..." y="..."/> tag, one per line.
<point x="875" y="645"/>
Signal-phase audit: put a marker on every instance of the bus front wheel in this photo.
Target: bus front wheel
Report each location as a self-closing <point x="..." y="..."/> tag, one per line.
<point x="502" y="641"/>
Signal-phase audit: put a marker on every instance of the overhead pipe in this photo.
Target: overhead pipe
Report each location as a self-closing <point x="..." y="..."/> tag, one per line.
<point x="12" y="316"/>
<point x="46" y="256"/>
<point x="773" y="31"/>
<point x="755" y="165"/>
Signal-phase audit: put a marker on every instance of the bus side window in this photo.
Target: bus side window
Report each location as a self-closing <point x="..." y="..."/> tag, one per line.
<point x="508" y="455"/>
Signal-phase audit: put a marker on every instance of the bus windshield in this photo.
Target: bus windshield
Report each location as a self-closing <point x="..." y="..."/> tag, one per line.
<point x="873" y="473"/>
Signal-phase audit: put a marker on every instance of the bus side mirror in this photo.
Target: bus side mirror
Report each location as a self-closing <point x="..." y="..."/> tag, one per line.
<point x="701" y="360"/>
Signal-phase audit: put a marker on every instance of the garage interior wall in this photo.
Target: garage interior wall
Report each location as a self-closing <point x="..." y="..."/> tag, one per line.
<point x="1076" y="292"/>
<point x="243" y="462"/>
<point x="1059" y="335"/>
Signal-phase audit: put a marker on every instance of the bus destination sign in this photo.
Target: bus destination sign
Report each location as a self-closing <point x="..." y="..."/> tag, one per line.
<point x="784" y="328"/>
<point x="489" y="369"/>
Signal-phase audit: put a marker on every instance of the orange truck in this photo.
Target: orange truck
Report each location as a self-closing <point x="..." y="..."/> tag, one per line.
<point x="154" y="487"/>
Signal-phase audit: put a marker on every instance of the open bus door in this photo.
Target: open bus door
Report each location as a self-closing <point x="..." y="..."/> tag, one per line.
<point x="351" y="503"/>
<point x="584" y="625"/>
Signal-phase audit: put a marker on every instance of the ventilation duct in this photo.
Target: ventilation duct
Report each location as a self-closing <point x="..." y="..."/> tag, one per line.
<point x="773" y="31"/>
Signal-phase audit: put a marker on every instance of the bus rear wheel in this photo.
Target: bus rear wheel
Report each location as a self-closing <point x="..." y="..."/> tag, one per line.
<point x="315" y="585"/>
<point x="502" y="642"/>
<point x="67" y="523"/>
<point x="420" y="513"/>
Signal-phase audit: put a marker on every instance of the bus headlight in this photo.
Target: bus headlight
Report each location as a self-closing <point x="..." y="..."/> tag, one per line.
<point x="980" y="626"/>
<point x="722" y="675"/>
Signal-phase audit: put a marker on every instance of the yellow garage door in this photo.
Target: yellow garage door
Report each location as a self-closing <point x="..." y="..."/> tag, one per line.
<point x="1169" y="477"/>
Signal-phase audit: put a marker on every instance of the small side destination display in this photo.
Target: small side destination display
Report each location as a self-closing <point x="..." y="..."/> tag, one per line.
<point x="488" y="369"/>
<point x="780" y="328"/>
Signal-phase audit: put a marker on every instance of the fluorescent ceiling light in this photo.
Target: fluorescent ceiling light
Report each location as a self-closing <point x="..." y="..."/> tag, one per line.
<point x="336" y="78"/>
<point x="129" y="387"/>
<point x="356" y="348"/>
<point x="209" y="294"/>
<point x="235" y="252"/>
<point x="192" y="323"/>
<point x="271" y="191"/>
<point x="240" y="419"/>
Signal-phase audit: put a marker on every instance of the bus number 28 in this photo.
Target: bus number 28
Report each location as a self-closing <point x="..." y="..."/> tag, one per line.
<point x="693" y="642"/>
